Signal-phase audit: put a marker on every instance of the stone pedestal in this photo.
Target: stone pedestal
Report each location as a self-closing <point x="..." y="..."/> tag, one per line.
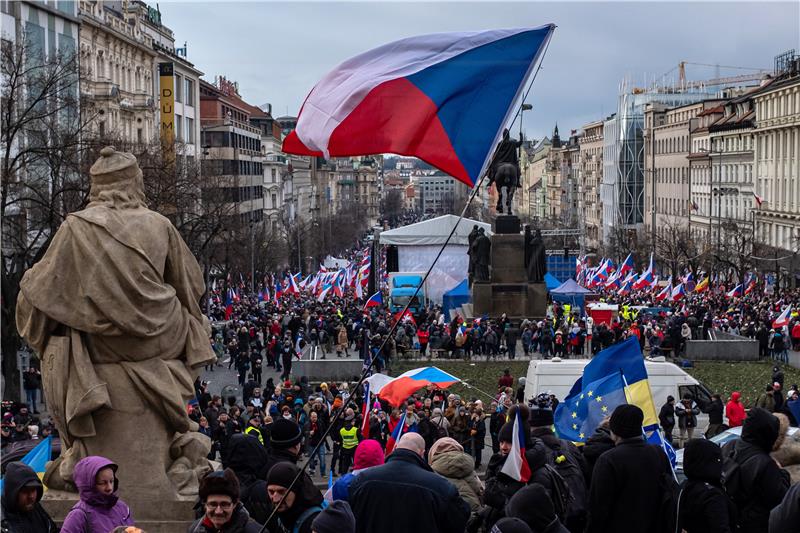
<point x="151" y="515"/>
<point x="508" y="290"/>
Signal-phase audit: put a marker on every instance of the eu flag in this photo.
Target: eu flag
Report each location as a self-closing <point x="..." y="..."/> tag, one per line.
<point x="581" y="412"/>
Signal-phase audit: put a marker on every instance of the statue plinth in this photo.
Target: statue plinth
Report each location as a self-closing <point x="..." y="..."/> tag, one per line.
<point x="508" y="289"/>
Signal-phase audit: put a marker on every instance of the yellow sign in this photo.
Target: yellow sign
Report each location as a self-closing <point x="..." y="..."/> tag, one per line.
<point x="167" y="84"/>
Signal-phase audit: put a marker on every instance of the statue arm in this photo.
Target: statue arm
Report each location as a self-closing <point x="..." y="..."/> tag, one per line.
<point x="33" y="325"/>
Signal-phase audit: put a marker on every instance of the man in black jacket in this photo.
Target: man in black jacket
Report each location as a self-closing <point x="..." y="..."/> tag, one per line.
<point x="626" y="490"/>
<point x="714" y="410"/>
<point x="248" y="459"/>
<point x="762" y="484"/>
<point x="22" y="492"/>
<point x="704" y="507"/>
<point x="666" y="417"/>
<point x="405" y="495"/>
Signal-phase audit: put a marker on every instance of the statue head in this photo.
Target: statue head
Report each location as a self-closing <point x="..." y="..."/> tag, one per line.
<point x="116" y="180"/>
<point x="506" y="134"/>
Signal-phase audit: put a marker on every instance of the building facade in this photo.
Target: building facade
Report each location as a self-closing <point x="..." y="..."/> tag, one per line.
<point x="590" y="175"/>
<point x="777" y="159"/>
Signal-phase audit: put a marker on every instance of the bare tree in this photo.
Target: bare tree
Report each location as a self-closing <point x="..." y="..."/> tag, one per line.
<point x="40" y="139"/>
<point x="676" y="247"/>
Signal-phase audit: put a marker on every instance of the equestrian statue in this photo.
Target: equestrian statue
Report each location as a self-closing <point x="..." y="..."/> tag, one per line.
<point x="504" y="171"/>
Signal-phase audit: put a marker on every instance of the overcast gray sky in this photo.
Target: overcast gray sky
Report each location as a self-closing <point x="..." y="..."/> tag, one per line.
<point x="277" y="50"/>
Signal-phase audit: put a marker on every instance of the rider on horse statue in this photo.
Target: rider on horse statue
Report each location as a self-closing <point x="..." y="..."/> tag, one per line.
<point x="504" y="169"/>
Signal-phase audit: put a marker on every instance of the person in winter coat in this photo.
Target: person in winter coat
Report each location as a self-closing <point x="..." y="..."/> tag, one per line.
<point x="476" y="436"/>
<point x="447" y="458"/>
<point x="219" y="494"/>
<point x="295" y="508"/>
<point x="369" y="453"/>
<point x="734" y="410"/>
<point x="687" y="412"/>
<point x="666" y="417"/>
<point x="714" y="411"/>
<point x="248" y="459"/>
<point x="620" y="497"/>
<point x="703" y="505"/>
<point x="99" y="508"/>
<point x="785" y="518"/>
<point x="22" y="492"/>
<point x="599" y="443"/>
<point x="763" y="483"/>
<point x="336" y="518"/>
<point x="533" y="506"/>
<point x="424" y="501"/>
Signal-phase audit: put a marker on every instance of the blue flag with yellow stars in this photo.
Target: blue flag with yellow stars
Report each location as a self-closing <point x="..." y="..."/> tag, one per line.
<point x="581" y="412"/>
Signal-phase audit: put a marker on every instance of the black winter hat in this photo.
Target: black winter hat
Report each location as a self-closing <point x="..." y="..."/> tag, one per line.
<point x="532" y="505"/>
<point x="219" y="482"/>
<point x="506" y="432"/>
<point x="510" y="525"/>
<point x="541" y="417"/>
<point x="282" y="474"/>
<point x="626" y="421"/>
<point x="285" y="433"/>
<point x="336" y="518"/>
<point x="760" y="428"/>
<point x="702" y="461"/>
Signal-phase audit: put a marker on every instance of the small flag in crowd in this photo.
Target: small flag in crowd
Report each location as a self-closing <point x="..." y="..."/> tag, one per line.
<point x="398" y="431"/>
<point x="783" y="318"/>
<point x="516" y="466"/>
<point x="37" y="458"/>
<point x="376" y="300"/>
<point x="365" y="412"/>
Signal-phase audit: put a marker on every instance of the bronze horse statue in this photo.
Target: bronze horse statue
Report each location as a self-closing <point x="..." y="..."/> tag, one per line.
<point x="506" y="180"/>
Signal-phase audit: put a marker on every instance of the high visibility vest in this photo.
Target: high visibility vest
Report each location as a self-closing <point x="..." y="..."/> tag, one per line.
<point x="349" y="438"/>
<point x="254" y="431"/>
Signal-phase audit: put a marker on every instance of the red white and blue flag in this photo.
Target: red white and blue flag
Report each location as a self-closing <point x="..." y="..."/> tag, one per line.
<point x="443" y="98"/>
<point x="735" y="292"/>
<point x="783" y="319"/>
<point x="678" y="292"/>
<point x="666" y="292"/>
<point x="627" y="265"/>
<point x="278" y="290"/>
<point x="230" y="297"/>
<point x="647" y="279"/>
<point x="376" y="300"/>
<point x="516" y="466"/>
<point x="365" y="412"/>
<point x="396" y="433"/>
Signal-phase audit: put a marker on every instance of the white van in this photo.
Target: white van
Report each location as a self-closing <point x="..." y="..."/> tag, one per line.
<point x="666" y="379"/>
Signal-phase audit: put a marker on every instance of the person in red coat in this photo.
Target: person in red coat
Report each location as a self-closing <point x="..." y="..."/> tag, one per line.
<point x="734" y="410"/>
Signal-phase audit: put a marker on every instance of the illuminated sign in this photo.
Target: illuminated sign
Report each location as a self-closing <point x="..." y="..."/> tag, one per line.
<point x="167" y="101"/>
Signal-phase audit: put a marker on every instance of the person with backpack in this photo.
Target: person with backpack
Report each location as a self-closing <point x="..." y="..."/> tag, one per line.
<point x="532" y="505"/>
<point x="565" y="459"/>
<point x="753" y="479"/>
<point x="295" y="508"/>
<point x="703" y="505"/>
<point x="629" y="489"/>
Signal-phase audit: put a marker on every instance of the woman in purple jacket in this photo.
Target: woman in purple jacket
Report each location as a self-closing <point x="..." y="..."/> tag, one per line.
<point x="99" y="508"/>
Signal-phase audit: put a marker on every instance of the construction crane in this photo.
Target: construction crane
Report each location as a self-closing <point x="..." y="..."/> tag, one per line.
<point x="756" y="74"/>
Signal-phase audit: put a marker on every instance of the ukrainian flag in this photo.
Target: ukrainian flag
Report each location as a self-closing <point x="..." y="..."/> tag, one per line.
<point x="37" y="458"/>
<point x="621" y="362"/>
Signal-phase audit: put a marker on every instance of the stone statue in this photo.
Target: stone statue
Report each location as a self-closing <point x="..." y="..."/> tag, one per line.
<point x="112" y="309"/>
<point x="504" y="171"/>
<point x="482" y="251"/>
<point x="471" y="239"/>
<point x="537" y="260"/>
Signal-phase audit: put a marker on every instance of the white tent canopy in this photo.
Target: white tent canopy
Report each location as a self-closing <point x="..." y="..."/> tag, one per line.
<point x="418" y="244"/>
<point x="433" y="231"/>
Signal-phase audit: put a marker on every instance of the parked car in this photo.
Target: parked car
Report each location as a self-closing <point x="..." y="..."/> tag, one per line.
<point x="721" y="440"/>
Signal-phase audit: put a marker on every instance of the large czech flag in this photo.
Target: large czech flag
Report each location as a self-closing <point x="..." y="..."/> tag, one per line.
<point x="443" y="98"/>
<point x="400" y="388"/>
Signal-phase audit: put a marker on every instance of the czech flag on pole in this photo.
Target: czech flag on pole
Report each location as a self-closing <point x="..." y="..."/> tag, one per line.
<point x="627" y="265"/>
<point x="365" y="412"/>
<point x="400" y="388"/>
<point x="735" y="292"/>
<point x="443" y="98"/>
<point x="783" y="319"/>
<point x="395" y="435"/>
<point x="376" y="300"/>
<point x="230" y="296"/>
<point x="516" y="466"/>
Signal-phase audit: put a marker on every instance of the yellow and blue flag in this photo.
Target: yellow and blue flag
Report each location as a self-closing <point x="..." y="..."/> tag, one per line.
<point x="622" y="361"/>
<point x="579" y="414"/>
<point x="37" y="458"/>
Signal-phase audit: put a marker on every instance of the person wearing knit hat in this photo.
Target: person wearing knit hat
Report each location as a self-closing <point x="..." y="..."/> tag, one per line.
<point x="533" y="505"/>
<point x="336" y="518"/>
<point x="285" y="438"/>
<point x="219" y="494"/>
<point x="369" y="453"/>
<point x="296" y="505"/>
<point x="626" y="421"/>
<point x="510" y="525"/>
<point x="620" y="497"/>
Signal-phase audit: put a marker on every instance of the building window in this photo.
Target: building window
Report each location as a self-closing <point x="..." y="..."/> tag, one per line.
<point x="189" y="100"/>
<point x="178" y="88"/>
<point x="179" y="126"/>
<point x="139" y="135"/>
<point x="274" y="204"/>
<point x="189" y="130"/>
